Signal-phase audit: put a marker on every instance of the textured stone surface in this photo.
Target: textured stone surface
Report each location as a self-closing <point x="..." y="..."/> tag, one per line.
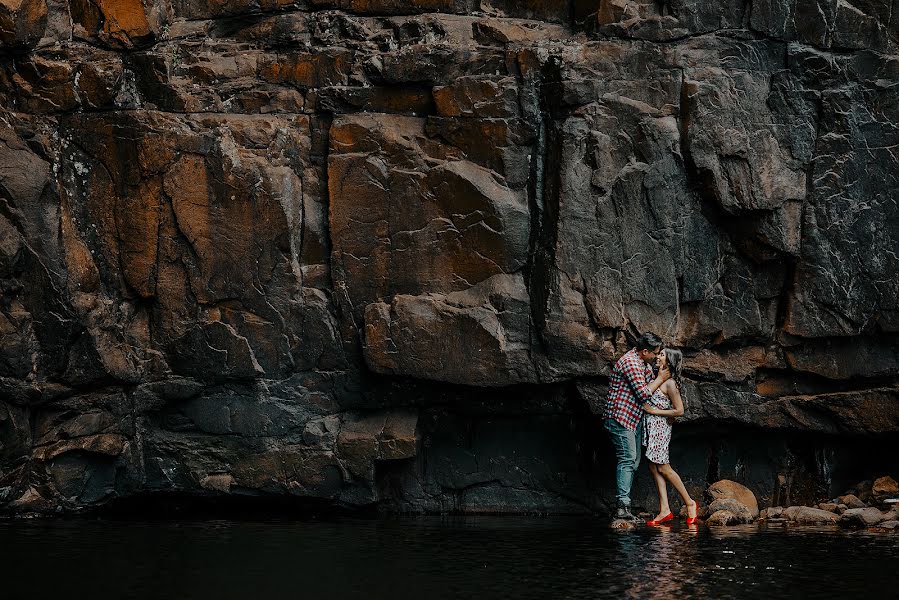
<point x="884" y="487"/>
<point x="731" y="490"/>
<point x="739" y="512"/>
<point x="806" y="515"/>
<point x="851" y="500"/>
<point x="22" y="23"/>
<point x="861" y="517"/>
<point x="773" y="512"/>
<point x="370" y="252"/>
<point x="477" y="337"/>
<point x="723" y="517"/>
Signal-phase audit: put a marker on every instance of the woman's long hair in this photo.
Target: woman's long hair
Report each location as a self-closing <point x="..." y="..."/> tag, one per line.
<point x="676" y="366"/>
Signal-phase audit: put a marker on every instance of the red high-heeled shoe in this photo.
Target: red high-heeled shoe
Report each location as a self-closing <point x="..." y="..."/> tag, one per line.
<point x="692" y="520"/>
<point x="655" y="522"/>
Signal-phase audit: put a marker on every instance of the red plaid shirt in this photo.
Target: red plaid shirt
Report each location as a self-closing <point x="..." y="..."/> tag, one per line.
<point x="628" y="390"/>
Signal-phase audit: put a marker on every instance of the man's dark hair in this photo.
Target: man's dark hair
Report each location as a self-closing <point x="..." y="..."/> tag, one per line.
<point x="649" y="341"/>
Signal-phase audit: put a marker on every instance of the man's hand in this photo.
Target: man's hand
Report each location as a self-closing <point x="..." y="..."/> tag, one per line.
<point x="664" y="375"/>
<point x="649" y="408"/>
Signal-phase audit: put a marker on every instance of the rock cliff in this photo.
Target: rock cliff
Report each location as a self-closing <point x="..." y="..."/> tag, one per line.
<point x="371" y="252"/>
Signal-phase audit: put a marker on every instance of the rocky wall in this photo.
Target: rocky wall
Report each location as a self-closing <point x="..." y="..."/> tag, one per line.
<point x="382" y="253"/>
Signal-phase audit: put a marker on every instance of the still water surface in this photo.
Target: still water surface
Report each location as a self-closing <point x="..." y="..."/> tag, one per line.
<point x="433" y="557"/>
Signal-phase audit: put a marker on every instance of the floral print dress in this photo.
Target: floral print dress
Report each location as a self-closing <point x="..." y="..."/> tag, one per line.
<point x="657" y="431"/>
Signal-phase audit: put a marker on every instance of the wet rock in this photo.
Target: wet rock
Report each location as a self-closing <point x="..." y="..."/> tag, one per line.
<point x="829" y="507"/>
<point x="851" y="501"/>
<point x="723" y="517"/>
<point x="739" y="512"/>
<point x="731" y="490"/>
<point x="806" y="515"/>
<point x="884" y="487"/>
<point x="622" y="524"/>
<point x="773" y="512"/>
<point x="219" y="482"/>
<point x="888" y="526"/>
<point x="861" y="517"/>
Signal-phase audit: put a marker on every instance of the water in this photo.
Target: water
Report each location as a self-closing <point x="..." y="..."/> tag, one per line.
<point x="432" y="557"/>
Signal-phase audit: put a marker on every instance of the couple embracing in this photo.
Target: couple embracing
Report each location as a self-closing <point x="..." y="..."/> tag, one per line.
<point x="638" y="414"/>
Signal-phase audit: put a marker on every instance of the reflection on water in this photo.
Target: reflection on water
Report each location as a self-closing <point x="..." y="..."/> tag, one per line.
<point x="432" y="557"/>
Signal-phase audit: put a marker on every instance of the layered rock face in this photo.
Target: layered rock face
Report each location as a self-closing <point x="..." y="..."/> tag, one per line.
<point x="378" y="252"/>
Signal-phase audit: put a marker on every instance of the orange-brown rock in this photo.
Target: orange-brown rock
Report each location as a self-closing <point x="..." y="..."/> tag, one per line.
<point x="309" y="69"/>
<point x="116" y="23"/>
<point x="851" y="500"/>
<point x="731" y="490"/>
<point x="478" y="97"/>
<point x="22" y="23"/>
<point x="884" y="487"/>
<point x="434" y="221"/>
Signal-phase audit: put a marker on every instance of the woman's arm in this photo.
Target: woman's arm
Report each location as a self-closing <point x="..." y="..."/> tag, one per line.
<point x="677" y="404"/>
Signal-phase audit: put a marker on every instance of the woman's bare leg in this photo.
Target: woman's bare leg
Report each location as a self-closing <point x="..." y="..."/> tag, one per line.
<point x="662" y="488"/>
<point x="666" y="472"/>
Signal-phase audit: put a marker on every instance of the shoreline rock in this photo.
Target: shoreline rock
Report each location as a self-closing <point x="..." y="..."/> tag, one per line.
<point x="731" y="490"/>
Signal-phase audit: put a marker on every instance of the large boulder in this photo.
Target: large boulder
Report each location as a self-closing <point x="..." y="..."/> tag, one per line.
<point x="727" y="489"/>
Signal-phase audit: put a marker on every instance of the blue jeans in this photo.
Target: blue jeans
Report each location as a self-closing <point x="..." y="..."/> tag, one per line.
<point x="627" y="453"/>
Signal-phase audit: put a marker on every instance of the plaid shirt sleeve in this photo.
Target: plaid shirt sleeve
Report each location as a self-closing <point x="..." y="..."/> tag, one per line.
<point x="636" y="375"/>
<point x="628" y="390"/>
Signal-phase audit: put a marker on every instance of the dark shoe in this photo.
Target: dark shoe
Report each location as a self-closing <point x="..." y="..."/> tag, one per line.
<point x="624" y="512"/>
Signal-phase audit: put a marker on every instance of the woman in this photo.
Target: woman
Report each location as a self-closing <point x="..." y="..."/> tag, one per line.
<point x="665" y="402"/>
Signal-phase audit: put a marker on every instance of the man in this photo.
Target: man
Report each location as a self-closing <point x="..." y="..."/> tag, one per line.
<point x="631" y="385"/>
